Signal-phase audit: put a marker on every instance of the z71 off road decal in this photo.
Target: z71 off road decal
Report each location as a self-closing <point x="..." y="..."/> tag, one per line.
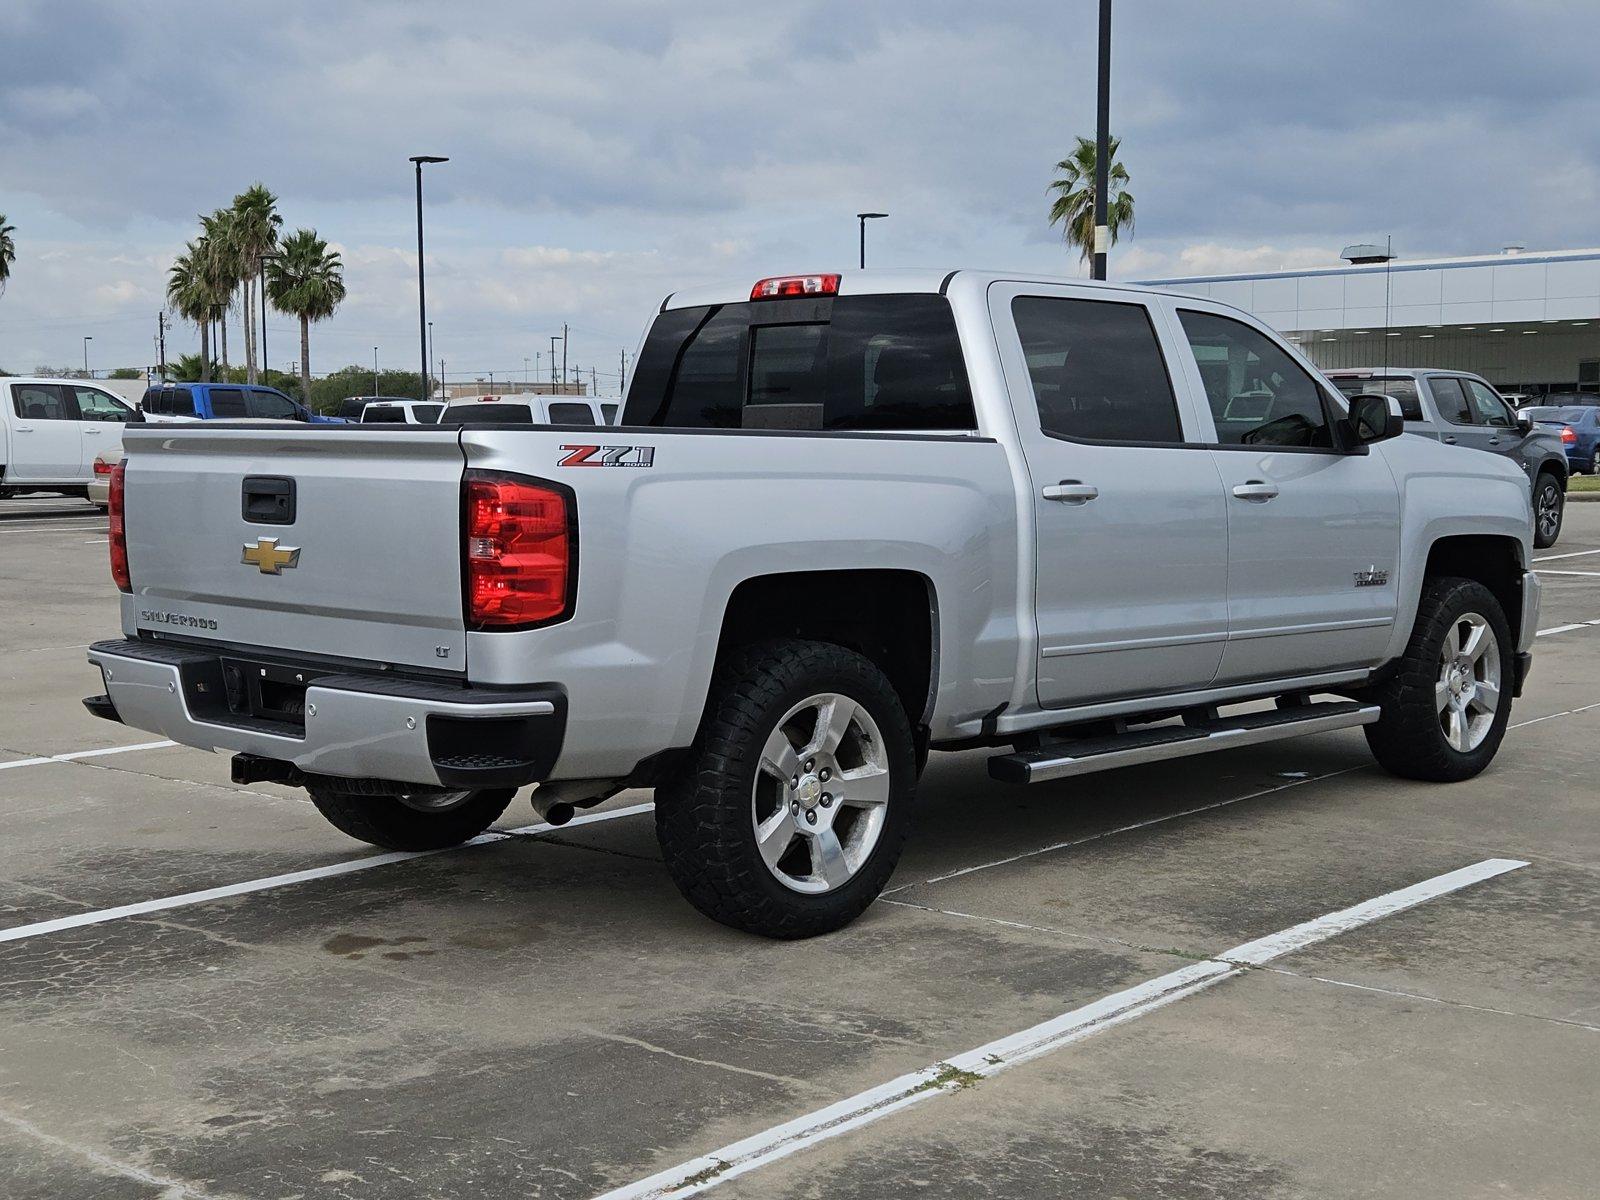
<point x="609" y="456"/>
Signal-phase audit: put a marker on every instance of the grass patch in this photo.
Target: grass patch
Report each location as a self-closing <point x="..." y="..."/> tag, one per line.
<point x="950" y="1077"/>
<point x="1584" y="483"/>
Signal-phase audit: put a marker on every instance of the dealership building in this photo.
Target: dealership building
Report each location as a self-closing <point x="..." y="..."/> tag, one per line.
<point x="1527" y="322"/>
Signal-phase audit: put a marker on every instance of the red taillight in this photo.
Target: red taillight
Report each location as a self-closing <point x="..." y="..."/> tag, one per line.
<point x="519" y="551"/>
<point x="118" y="536"/>
<point x="102" y="467"/>
<point x="795" y="285"/>
<point x="1567" y="436"/>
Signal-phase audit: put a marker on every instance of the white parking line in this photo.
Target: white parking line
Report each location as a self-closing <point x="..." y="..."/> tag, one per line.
<point x="1586" y="574"/>
<point x="1567" y="628"/>
<point x="18" y="933"/>
<point x="77" y="754"/>
<point x="738" y="1158"/>
<point x="1571" y="554"/>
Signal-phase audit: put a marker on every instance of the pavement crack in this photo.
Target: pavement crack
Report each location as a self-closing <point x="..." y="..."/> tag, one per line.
<point x="1098" y="939"/>
<point x="171" y="1189"/>
<point x="1398" y="994"/>
<point x="651" y="1047"/>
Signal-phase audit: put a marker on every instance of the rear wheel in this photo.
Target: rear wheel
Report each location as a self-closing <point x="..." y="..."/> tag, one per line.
<point x="427" y="819"/>
<point x="1446" y="706"/>
<point x="793" y="811"/>
<point x="1549" y="504"/>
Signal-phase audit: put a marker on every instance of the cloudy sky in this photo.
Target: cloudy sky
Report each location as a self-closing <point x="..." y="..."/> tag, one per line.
<point x="604" y="154"/>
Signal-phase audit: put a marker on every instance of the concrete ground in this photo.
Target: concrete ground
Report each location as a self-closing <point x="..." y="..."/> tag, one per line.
<point x="543" y="1016"/>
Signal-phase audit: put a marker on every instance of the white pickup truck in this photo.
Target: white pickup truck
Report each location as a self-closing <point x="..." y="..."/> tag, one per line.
<point x="845" y="520"/>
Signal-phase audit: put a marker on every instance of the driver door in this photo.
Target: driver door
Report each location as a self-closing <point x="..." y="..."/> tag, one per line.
<point x="1313" y="530"/>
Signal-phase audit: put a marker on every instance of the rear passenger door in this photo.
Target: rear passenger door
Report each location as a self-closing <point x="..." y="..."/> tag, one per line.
<point x="46" y="446"/>
<point x="101" y="417"/>
<point x="1312" y="531"/>
<point x="1458" y="417"/>
<point x="1130" y="529"/>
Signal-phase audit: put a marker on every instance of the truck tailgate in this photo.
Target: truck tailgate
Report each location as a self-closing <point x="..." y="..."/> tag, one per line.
<point x="340" y="541"/>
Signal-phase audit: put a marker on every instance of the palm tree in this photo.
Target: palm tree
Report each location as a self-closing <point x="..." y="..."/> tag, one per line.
<point x="307" y="281"/>
<point x="253" y="231"/>
<point x="220" y="267"/>
<point x="8" y="251"/>
<point x="190" y="295"/>
<point x="1074" y="202"/>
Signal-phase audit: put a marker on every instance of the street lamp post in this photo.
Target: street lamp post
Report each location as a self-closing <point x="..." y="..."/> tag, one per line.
<point x="261" y="271"/>
<point x="432" y="360"/>
<point x="1102" y="144"/>
<point x="864" y="218"/>
<point x="422" y="294"/>
<point x="87" y="339"/>
<point x="374" y="371"/>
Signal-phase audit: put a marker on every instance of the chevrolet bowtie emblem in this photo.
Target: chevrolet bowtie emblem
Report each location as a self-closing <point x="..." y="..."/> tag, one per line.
<point x="271" y="557"/>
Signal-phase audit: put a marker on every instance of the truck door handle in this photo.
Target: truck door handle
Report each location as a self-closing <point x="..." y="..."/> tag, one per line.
<point x="1070" y="491"/>
<point x="1450" y="439"/>
<point x="91" y="433"/>
<point x="1494" y="441"/>
<point x="1256" y="490"/>
<point x="24" y="428"/>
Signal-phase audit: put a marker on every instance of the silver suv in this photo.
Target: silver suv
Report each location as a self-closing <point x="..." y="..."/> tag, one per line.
<point x="1464" y="410"/>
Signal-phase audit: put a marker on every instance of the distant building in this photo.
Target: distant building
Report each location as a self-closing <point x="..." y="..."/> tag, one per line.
<point x="507" y="387"/>
<point x="1526" y="322"/>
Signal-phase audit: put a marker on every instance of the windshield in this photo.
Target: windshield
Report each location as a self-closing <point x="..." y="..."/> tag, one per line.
<point x="488" y="414"/>
<point x="1564" y="415"/>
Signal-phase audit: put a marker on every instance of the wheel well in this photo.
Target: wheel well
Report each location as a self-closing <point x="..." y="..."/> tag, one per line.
<point x="1551" y="467"/>
<point x="890" y="617"/>
<point x="1492" y="561"/>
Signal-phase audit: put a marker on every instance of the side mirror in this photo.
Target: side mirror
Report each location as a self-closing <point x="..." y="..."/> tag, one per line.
<point x="1525" y="422"/>
<point x="1374" y="417"/>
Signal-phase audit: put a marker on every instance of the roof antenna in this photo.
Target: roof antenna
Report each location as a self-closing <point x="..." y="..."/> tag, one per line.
<point x="1388" y="251"/>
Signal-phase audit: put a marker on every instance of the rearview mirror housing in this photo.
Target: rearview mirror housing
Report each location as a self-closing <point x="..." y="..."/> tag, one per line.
<point x="1374" y="417"/>
<point x="1525" y="422"/>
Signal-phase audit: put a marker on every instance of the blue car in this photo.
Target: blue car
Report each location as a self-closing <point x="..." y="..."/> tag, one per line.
<point x="1579" y="427"/>
<point x="211" y="401"/>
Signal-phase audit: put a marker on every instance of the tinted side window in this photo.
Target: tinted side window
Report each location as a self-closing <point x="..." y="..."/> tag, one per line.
<point x="227" y="402"/>
<point x="571" y="414"/>
<point x="383" y="416"/>
<point x="426" y="414"/>
<point x="1452" y="401"/>
<point x="1403" y="390"/>
<point x="688" y="375"/>
<point x="269" y="405"/>
<point x="895" y="362"/>
<point x="151" y="402"/>
<point x="1259" y="396"/>
<point x="180" y="402"/>
<point x="1097" y="370"/>
<point x="95" y="405"/>
<point x="609" y="413"/>
<point x="1491" y="409"/>
<point x="40" y="402"/>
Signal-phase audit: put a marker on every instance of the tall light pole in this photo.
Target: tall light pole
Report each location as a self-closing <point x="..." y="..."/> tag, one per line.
<point x="864" y="218"/>
<point x="261" y="272"/>
<point x="87" y="339"/>
<point x="432" y="360"/>
<point x="374" y="371"/>
<point x="1102" y="144"/>
<point x="422" y="293"/>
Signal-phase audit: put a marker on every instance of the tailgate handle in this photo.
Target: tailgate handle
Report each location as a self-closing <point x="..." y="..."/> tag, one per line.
<point x="268" y="500"/>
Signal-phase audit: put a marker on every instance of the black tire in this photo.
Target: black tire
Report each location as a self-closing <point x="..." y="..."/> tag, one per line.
<point x="705" y="814"/>
<point x="1409" y="739"/>
<point x="1547" y="490"/>
<point x="383" y="819"/>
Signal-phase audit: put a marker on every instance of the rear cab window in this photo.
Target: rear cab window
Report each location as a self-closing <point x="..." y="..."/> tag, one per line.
<point x="386" y="415"/>
<point x="41" y="402"/>
<point x="488" y="414"/>
<point x="569" y="413"/>
<point x="1402" y="388"/>
<point x="879" y="363"/>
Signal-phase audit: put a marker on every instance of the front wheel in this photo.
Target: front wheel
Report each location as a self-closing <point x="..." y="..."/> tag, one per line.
<point x="421" y="820"/>
<point x="1446" y="706"/>
<point x="1549" y="505"/>
<point x="793" y="810"/>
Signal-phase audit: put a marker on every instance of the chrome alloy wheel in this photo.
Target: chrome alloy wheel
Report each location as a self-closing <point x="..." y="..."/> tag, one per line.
<point x="821" y="794"/>
<point x="1547" y="511"/>
<point x="1467" y="694"/>
<point x="435" y="801"/>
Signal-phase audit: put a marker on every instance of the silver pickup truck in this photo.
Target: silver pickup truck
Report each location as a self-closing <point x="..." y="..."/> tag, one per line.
<point x="845" y="520"/>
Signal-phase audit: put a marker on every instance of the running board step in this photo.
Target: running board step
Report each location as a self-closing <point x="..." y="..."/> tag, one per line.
<point x="1080" y="756"/>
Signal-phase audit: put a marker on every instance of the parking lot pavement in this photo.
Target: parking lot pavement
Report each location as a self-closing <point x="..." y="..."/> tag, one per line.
<point x="541" y="1015"/>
